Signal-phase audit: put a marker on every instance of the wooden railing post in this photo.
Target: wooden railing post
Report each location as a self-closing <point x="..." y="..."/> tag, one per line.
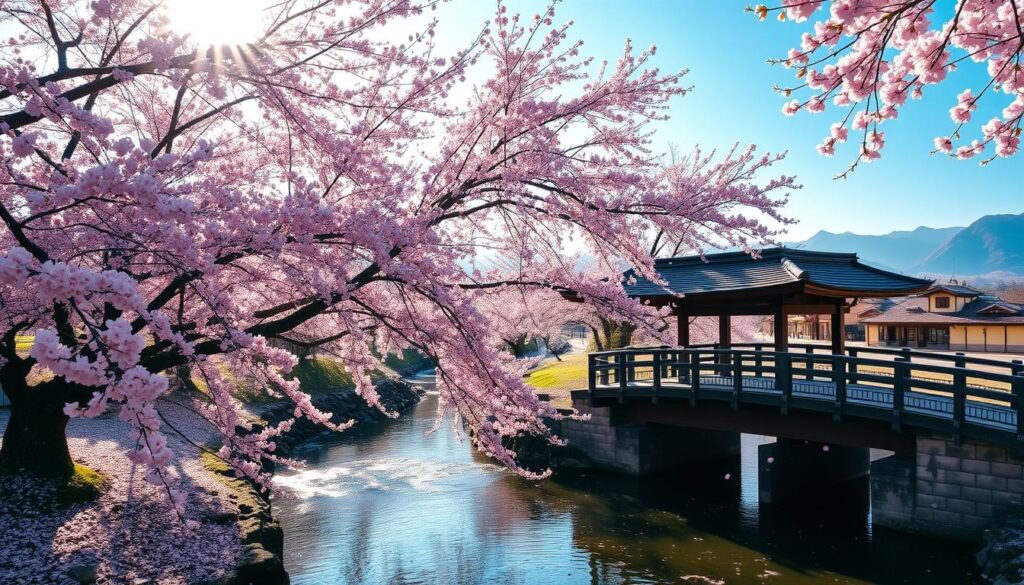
<point x="683" y="369"/>
<point x="959" y="396"/>
<point x="853" y="366"/>
<point x="630" y="371"/>
<point x="591" y="375"/>
<point x="1017" y="369"/>
<point x="809" y="373"/>
<point x="656" y="381"/>
<point x="694" y="377"/>
<point x="758" y="361"/>
<point x="839" y="381"/>
<point x="784" y="378"/>
<point x="905" y="353"/>
<point x="622" y="375"/>
<point x="899" y="389"/>
<point x="604" y="375"/>
<point x="737" y="378"/>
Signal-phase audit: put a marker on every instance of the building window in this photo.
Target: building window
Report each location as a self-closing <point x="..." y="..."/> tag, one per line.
<point x="941" y="302"/>
<point x="938" y="336"/>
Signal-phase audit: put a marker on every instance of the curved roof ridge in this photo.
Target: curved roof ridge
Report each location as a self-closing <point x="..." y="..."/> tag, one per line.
<point x="780" y="269"/>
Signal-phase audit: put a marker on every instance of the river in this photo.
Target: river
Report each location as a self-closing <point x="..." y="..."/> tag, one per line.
<point x="394" y="504"/>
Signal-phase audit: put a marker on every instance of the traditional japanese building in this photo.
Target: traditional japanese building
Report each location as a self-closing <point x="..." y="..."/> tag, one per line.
<point x="778" y="282"/>
<point x="949" y="316"/>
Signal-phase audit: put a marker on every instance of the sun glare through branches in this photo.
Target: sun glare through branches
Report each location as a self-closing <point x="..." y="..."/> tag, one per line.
<point x="217" y="22"/>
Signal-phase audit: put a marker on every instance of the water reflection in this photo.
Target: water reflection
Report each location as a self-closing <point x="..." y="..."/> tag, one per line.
<point x="393" y="505"/>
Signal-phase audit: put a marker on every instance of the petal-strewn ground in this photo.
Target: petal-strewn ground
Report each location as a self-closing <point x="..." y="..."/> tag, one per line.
<point x="129" y="532"/>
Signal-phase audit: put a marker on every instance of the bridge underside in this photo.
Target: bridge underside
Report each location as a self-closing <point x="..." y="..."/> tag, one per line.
<point x="806" y="425"/>
<point x="931" y="485"/>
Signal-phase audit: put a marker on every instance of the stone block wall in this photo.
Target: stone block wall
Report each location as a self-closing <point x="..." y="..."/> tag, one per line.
<point x="962" y="489"/>
<point x="611" y="446"/>
<point x="633" y="449"/>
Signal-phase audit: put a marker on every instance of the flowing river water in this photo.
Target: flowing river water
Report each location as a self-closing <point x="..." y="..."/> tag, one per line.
<point x="396" y="504"/>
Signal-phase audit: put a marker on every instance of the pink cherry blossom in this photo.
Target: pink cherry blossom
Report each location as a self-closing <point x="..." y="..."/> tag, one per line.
<point x="337" y="187"/>
<point x="869" y="56"/>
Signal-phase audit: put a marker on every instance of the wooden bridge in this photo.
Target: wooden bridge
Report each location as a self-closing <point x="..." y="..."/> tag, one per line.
<point x="953" y="394"/>
<point x="954" y="424"/>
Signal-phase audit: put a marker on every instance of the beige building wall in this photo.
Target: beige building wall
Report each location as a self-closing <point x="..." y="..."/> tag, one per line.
<point x="1015" y="338"/>
<point x="871" y="334"/>
<point x="997" y="338"/>
<point x="991" y="338"/>
<point x="955" y="303"/>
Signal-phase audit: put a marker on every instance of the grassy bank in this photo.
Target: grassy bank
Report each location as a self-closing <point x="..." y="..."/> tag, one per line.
<point x="558" y="378"/>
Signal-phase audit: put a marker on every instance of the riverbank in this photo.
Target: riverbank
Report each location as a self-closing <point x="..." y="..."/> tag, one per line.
<point x="1002" y="557"/>
<point x="128" y="533"/>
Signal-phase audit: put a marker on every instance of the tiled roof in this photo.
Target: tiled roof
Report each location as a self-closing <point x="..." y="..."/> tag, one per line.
<point x="869" y="308"/>
<point x="953" y="289"/>
<point x="915" y="311"/>
<point x="735" y="271"/>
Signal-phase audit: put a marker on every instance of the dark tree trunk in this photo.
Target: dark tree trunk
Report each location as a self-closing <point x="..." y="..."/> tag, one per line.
<point x="34" y="441"/>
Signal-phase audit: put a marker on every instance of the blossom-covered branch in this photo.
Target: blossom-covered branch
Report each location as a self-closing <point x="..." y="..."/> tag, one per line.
<point x="868" y="57"/>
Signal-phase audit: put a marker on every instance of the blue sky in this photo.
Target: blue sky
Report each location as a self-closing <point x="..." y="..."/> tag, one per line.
<point x="726" y="49"/>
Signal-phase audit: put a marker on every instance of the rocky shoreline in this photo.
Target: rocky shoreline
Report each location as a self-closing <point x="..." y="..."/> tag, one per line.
<point x="261" y="535"/>
<point x="1002" y="557"/>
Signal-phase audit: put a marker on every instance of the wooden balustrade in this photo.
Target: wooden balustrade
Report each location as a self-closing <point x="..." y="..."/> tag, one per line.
<point x="932" y="391"/>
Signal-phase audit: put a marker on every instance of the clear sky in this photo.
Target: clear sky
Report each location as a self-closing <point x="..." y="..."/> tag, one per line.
<point x="726" y="49"/>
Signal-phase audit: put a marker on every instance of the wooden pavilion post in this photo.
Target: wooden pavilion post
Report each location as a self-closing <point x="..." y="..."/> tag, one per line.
<point x="682" y="329"/>
<point x="682" y="340"/>
<point x="781" y="327"/>
<point x="724" y="331"/>
<point x="724" y="340"/>
<point x="838" y="330"/>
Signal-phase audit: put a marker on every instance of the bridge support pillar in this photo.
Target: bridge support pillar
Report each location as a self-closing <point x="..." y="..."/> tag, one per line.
<point x="638" y="449"/>
<point x="789" y="468"/>
<point x="893" y="492"/>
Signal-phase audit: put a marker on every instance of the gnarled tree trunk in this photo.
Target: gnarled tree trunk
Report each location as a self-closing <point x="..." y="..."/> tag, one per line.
<point x="34" y="441"/>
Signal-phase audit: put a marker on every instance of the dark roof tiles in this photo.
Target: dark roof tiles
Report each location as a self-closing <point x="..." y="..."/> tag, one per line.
<point x="734" y="271"/>
<point x="953" y="289"/>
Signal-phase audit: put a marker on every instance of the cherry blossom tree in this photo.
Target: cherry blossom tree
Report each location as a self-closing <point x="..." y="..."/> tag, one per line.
<point x="868" y="57"/>
<point x="172" y="207"/>
<point x="519" y="315"/>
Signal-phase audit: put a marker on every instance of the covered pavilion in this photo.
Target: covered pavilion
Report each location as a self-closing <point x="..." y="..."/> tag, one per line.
<point x="777" y="282"/>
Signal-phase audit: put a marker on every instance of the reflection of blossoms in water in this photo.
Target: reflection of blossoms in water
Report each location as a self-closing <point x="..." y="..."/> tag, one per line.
<point x="388" y="474"/>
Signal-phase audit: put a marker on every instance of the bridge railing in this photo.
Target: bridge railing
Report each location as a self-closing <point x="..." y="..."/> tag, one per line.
<point x="953" y="395"/>
<point x="958" y="358"/>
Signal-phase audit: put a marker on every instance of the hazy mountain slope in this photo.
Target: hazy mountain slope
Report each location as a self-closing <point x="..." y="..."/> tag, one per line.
<point x="900" y="250"/>
<point x="992" y="243"/>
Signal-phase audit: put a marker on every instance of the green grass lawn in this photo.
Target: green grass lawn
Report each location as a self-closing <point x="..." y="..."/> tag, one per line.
<point x="558" y="378"/>
<point x="23" y="343"/>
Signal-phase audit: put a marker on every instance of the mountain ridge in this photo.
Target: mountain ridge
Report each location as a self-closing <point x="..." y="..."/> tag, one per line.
<point x="992" y="244"/>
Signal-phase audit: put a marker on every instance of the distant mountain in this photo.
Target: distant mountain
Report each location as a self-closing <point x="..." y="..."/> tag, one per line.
<point x="994" y="243"/>
<point x="900" y="251"/>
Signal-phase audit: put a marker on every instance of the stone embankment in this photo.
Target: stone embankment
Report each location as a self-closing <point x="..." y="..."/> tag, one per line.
<point x="261" y="534"/>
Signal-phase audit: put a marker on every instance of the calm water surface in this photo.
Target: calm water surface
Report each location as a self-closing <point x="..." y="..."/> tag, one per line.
<point x="394" y="504"/>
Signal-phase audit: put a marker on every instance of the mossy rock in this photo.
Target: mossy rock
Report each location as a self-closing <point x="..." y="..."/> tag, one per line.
<point x="85" y="485"/>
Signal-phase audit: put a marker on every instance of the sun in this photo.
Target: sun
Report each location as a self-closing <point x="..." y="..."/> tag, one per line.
<point x="217" y="22"/>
